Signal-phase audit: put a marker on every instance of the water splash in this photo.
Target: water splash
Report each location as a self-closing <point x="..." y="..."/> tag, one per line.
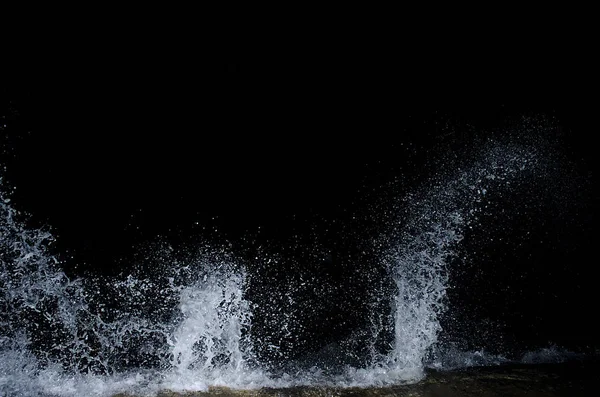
<point x="61" y="336"/>
<point x="209" y="345"/>
<point x="419" y="252"/>
<point x="190" y="325"/>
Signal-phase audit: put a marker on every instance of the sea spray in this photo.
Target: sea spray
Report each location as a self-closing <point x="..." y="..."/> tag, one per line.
<point x="61" y="336"/>
<point x="40" y="307"/>
<point x="189" y="322"/>
<point x="427" y="241"/>
<point x="209" y="345"/>
<point x="422" y="240"/>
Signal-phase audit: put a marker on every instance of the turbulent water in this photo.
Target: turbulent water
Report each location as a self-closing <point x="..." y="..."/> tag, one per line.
<point x="193" y="323"/>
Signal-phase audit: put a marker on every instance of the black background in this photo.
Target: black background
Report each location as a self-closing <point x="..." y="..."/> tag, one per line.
<point x="117" y="144"/>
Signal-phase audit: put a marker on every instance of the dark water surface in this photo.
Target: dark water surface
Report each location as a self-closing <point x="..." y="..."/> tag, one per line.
<point x="539" y="380"/>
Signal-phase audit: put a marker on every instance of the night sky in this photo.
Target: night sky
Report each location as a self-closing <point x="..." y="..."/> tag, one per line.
<point x="114" y="150"/>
